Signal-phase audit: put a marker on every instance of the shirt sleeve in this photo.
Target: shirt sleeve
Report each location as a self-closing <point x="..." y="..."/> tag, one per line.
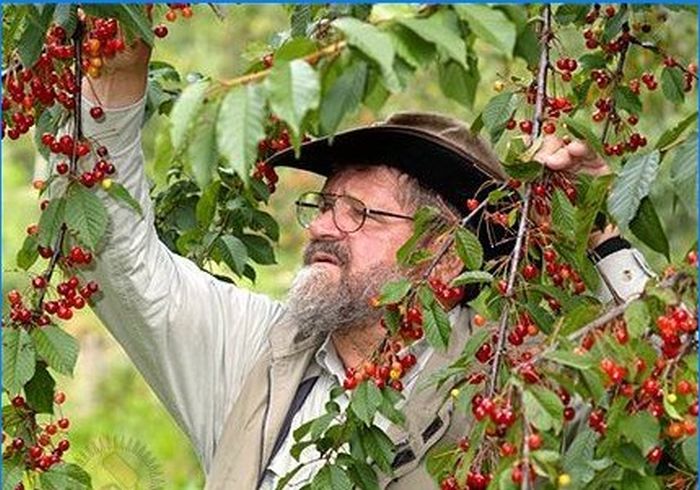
<point x="193" y="338"/>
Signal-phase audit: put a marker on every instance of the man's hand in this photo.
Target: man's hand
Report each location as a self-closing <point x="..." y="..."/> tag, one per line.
<point x="576" y="157"/>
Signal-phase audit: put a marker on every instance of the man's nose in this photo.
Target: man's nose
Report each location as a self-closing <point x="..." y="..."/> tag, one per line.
<point x="323" y="227"/>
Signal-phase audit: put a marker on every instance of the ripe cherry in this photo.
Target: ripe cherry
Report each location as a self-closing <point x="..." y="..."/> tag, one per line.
<point x="160" y="30"/>
<point x="97" y="113"/>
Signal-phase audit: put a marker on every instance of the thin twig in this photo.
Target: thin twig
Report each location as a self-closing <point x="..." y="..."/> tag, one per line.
<point x="617" y="77"/>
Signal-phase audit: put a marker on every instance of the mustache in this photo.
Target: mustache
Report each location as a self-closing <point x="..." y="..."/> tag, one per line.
<point x="335" y="249"/>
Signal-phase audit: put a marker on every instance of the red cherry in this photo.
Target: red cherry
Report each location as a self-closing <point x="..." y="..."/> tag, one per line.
<point x="472" y="204"/>
<point x="549" y="128"/>
<point x="654" y="456"/>
<point x="530" y="272"/>
<point x="526" y="126"/>
<point x="97" y="113"/>
<point x="534" y="442"/>
<point x="160" y="31"/>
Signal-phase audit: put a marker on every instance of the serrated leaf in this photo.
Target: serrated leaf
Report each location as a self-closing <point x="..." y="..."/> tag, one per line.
<point x="29" y="253"/>
<point x="58" y="348"/>
<point x="343" y="97"/>
<point x="411" y="48"/>
<point x="458" y="83"/>
<point x="268" y="224"/>
<point x="363" y="475"/>
<point x="66" y="15"/>
<point x="435" y="321"/>
<point x="374" y="44"/>
<point x="394" y="291"/>
<point x="637" y="318"/>
<point x="497" y="112"/>
<point x="583" y="132"/>
<point x="566" y="358"/>
<point x="12" y="471"/>
<point x="472" y="277"/>
<point x="670" y="136"/>
<point x="284" y="481"/>
<point x="490" y="25"/>
<point x="32" y="40"/>
<point x="18" y="359"/>
<point x="121" y="193"/>
<point x="626" y="99"/>
<point x="202" y="151"/>
<point x="65" y="475"/>
<point x="591" y="203"/>
<point x="563" y="215"/>
<point x="568" y="13"/>
<point x="294" y="90"/>
<point x="300" y="18"/>
<point x="379" y="447"/>
<point x="690" y="452"/>
<point x="259" y="249"/>
<point x="184" y="113"/>
<point x="642" y="429"/>
<point x="469" y="248"/>
<point x="613" y="26"/>
<point x="331" y="476"/>
<point x="632" y="185"/>
<point x="240" y="127"/>
<point x="524" y="171"/>
<point x="647" y="226"/>
<point x="233" y="252"/>
<point x="672" y="84"/>
<point x="50" y="222"/>
<point x="86" y="216"/>
<point x="578" y="456"/>
<point x="437" y="29"/>
<point x="543" y="408"/>
<point x="40" y="390"/>
<point x="684" y="171"/>
<point x="206" y="206"/>
<point x="366" y="400"/>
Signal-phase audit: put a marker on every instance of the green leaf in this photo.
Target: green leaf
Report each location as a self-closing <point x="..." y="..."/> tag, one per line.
<point x="497" y="112"/>
<point x="670" y="136"/>
<point x="410" y="47"/>
<point x="233" y="252"/>
<point x="578" y="455"/>
<point x="632" y="185"/>
<point x="647" y="226"/>
<point x="490" y="25"/>
<point x="268" y="224"/>
<point x="591" y="203"/>
<point x="637" y="318"/>
<point x="584" y="132"/>
<point x="469" y="248"/>
<point x="363" y="475"/>
<point x="379" y="447"/>
<point x="32" y="41"/>
<point x="571" y="13"/>
<point x="65" y="475"/>
<point x="614" y="26"/>
<point x="206" y="206"/>
<point x="374" y="44"/>
<point x="366" y="400"/>
<point x="40" y="390"/>
<point x="29" y="253"/>
<point x="390" y="398"/>
<point x="524" y="171"/>
<point x="395" y="291"/>
<point x="66" y="15"/>
<point x="343" y="97"/>
<point x="185" y="111"/>
<point x="86" y="216"/>
<point x="202" y="153"/>
<point x="18" y="359"/>
<point x="302" y="15"/>
<point x="240" y="127"/>
<point x="546" y="402"/>
<point x="472" y="277"/>
<point x="294" y="90"/>
<point x="672" y="84"/>
<point x="577" y="318"/>
<point x="438" y="29"/>
<point x="642" y="429"/>
<point x="684" y="171"/>
<point x="58" y="348"/>
<point x="284" y="481"/>
<point x="690" y="452"/>
<point x="626" y="99"/>
<point x="121" y="193"/>
<point x="424" y="221"/>
<point x="567" y="358"/>
<point x="331" y="476"/>
<point x="628" y="456"/>
<point x="563" y="215"/>
<point x="259" y="249"/>
<point x="435" y="321"/>
<point x="50" y="222"/>
<point x="458" y="83"/>
<point x="12" y="471"/>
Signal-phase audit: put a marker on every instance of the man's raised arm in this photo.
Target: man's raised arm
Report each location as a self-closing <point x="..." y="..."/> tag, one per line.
<point x="192" y="337"/>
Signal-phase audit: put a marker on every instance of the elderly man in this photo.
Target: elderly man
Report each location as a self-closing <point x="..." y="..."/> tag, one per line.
<point x="240" y="371"/>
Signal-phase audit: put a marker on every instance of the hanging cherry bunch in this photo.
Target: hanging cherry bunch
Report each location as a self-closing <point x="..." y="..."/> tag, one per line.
<point x="185" y="9"/>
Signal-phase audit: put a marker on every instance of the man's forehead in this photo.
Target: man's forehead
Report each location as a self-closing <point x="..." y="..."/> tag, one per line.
<point x="364" y="182"/>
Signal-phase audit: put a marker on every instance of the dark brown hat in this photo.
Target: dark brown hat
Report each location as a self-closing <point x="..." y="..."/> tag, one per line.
<point x="439" y="151"/>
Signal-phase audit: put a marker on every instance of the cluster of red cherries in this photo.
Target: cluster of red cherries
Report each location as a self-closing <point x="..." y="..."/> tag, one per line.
<point x="392" y="364"/>
<point x="185" y="9"/>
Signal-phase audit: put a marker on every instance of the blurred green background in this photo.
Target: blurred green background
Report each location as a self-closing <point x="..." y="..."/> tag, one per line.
<point x="108" y="397"/>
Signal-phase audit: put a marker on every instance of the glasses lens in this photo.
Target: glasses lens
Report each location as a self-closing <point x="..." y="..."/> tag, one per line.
<point x="308" y="208"/>
<point x="349" y="214"/>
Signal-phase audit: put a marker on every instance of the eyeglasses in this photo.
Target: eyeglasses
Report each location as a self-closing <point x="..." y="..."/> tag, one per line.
<point x="349" y="213"/>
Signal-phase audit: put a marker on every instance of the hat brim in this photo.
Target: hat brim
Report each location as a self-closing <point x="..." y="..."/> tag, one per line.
<point x="444" y="168"/>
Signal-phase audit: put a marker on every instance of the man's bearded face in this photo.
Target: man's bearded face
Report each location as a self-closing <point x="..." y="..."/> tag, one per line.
<point x="323" y="300"/>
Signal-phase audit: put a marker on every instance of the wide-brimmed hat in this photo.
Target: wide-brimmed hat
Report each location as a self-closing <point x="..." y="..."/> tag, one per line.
<point x="438" y="150"/>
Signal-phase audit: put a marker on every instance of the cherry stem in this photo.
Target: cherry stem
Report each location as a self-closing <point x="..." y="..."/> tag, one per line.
<point x="656" y="50"/>
<point x="545" y="39"/>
